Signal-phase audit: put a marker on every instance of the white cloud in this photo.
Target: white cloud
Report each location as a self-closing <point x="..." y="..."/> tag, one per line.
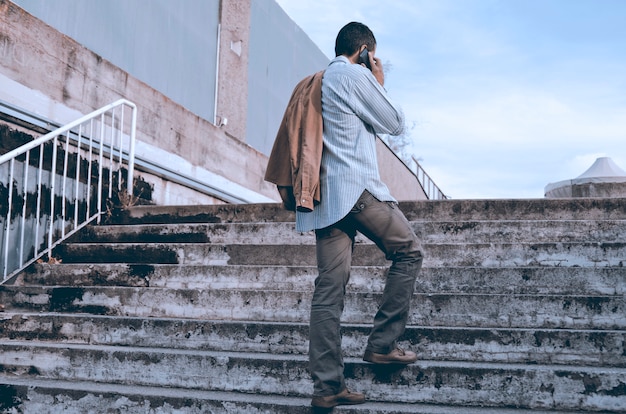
<point x="512" y="145"/>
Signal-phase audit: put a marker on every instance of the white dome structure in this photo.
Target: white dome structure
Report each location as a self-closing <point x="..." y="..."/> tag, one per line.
<point x="603" y="179"/>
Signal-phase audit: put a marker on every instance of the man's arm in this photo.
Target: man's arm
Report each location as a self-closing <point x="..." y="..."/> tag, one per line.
<point x="372" y="104"/>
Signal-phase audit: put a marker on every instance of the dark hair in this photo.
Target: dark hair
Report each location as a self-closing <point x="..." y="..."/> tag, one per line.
<point x="351" y="37"/>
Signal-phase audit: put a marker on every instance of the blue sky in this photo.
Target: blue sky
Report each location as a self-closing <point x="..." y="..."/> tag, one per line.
<point x="504" y="96"/>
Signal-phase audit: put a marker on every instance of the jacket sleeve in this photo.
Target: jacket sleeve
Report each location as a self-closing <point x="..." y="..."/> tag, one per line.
<point x="294" y="162"/>
<point x="279" y="169"/>
<point x="307" y="181"/>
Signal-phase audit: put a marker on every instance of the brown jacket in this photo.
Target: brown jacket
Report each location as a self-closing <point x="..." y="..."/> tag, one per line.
<point x="294" y="163"/>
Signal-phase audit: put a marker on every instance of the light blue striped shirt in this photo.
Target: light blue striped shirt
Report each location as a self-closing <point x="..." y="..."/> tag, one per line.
<point x="355" y="108"/>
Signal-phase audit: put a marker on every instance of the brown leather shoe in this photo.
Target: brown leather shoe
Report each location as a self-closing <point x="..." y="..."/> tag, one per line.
<point x="345" y="397"/>
<point x="397" y="356"/>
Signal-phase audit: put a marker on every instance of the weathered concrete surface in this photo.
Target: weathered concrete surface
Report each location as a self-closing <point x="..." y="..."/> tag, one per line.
<point x="441" y="210"/>
<point x="497" y="311"/>
<point x="477" y="254"/>
<point x="39" y="396"/>
<point x="44" y="397"/>
<point x="428" y="231"/>
<point x="426" y="381"/>
<point x="510" y="345"/>
<point x="520" y="303"/>
<point x="478" y="280"/>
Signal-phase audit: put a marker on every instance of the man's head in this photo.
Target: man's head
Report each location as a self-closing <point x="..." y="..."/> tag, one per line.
<point x="352" y="37"/>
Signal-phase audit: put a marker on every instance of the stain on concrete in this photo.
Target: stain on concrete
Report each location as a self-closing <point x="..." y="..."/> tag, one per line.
<point x="11" y="398"/>
<point x="141" y="271"/>
<point x="596" y="303"/>
<point x="69" y="299"/>
<point x="112" y="254"/>
<point x="591" y="383"/>
<point x="63" y="299"/>
<point x="146" y="358"/>
<point x="69" y="70"/>
<point x="549" y="388"/>
<point x="617" y="391"/>
<point x="383" y="374"/>
<point x="454" y="228"/>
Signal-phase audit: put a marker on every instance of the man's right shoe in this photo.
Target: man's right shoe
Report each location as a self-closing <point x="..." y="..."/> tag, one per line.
<point x="397" y="356"/>
<point x="345" y="397"/>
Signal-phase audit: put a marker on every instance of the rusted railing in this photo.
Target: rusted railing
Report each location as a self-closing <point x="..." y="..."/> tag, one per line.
<point x="58" y="183"/>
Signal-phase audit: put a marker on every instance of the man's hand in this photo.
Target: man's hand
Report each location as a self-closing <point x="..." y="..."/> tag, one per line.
<point x="377" y="69"/>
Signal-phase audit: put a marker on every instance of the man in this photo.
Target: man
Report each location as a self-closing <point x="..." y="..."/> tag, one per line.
<point x="355" y="108"/>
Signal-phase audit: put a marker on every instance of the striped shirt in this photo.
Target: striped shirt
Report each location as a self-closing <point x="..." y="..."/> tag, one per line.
<point x="355" y="108"/>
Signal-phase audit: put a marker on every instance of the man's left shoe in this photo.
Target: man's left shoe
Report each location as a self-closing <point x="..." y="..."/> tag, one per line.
<point x="397" y="356"/>
<point x="345" y="397"/>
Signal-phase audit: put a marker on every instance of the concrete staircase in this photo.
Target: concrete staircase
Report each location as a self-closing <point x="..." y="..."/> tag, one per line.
<point x="519" y="308"/>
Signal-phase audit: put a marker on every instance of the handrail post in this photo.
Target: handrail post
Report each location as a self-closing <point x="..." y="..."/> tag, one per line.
<point x="53" y="180"/>
<point x="7" y="226"/>
<point x="131" y="152"/>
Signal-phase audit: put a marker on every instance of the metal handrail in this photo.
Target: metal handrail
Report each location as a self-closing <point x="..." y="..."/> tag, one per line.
<point x="432" y="190"/>
<point x="150" y="165"/>
<point x="103" y="141"/>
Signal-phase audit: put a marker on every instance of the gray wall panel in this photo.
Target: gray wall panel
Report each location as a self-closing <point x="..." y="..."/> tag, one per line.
<point x="281" y="54"/>
<point x="169" y="44"/>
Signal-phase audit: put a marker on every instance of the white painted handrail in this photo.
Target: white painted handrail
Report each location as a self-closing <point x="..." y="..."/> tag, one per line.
<point x="51" y="171"/>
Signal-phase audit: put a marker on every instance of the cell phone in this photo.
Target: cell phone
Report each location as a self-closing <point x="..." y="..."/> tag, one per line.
<point x="365" y="58"/>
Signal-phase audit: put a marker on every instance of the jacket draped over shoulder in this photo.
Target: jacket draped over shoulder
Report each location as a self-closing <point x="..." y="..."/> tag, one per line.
<point x="294" y="163"/>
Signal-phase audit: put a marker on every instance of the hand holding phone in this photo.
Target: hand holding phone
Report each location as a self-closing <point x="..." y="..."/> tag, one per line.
<point x="364" y="57"/>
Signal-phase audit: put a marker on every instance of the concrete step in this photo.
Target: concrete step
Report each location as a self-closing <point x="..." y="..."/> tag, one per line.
<point x="520" y="304"/>
<point x="469" y="310"/>
<point x="515" y="280"/>
<point x="510" y="345"/>
<point x="564" y="254"/>
<point x="452" y="210"/>
<point x="431" y="382"/>
<point x="33" y="395"/>
<point x="502" y="231"/>
<point x="188" y="277"/>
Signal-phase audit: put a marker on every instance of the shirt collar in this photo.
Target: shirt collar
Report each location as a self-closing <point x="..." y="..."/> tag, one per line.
<point x="339" y="59"/>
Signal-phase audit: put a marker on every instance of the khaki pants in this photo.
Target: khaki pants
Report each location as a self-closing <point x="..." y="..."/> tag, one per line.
<point x="385" y="225"/>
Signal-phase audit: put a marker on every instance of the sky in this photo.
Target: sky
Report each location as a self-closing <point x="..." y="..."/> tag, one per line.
<point x="502" y="97"/>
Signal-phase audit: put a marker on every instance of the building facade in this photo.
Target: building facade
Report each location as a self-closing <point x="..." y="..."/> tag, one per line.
<point x="211" y="79"/>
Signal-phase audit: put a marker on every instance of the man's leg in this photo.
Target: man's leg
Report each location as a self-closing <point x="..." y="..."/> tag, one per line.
<point x="334" y="255"/>
<point x="386" y="225"/>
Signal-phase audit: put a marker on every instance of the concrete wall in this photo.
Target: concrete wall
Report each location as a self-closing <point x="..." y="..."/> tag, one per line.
<point x="44" y="70"/>
<point x="402" y="183"/>
<point x="280" y="55"/>
<point x="232" y="62"/>
<point x="169" y="44"/>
